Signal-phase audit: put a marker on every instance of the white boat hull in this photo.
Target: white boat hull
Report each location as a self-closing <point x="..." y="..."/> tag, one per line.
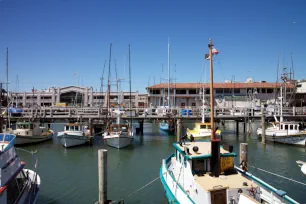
<point x="72" y="140"/>
<point x="118" y="141"/>
<point x="32" y="139"/>
<point x="284" y="137"/>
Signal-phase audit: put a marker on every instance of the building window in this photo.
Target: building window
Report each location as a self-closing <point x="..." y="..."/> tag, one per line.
<point x="155" y="91"/>
<point x="128" y="97"/>
<point x="219" y="91"/>
<point x="227" y="90"/>
<point x="183" y="104"/>
<point x="192" y="91"/>
<point x="269" y="90"/>
<point x="193" y="104"/>
<point x="181" y="91"/>
<point x="237" y="91"/>
<point x="98" y="97"/>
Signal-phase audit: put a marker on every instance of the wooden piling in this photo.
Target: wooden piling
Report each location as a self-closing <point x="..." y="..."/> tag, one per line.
<point x="263" y="126"/>
<point x="102" y="168"/>
<point x="237" y="127"/>
<point x="243" y="156"/>
<point x="179" y="130"/>
<point x="244" y="125"/>
<point x="141" y="127"/>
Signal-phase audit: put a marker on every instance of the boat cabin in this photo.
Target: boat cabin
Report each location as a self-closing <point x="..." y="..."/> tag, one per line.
<point x="203" y="125"/>
<point x="198" y="155"/>
<point x="287" y="125"/>
<point x="24" y="125"/>
<point x="118" y="128"/>
<point x="73" y="127"/>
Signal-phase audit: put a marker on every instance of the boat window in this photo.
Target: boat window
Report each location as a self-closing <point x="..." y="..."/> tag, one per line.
<point x="202" y="126"/>
<point x="124" y="129"/>
<point x="76" y="128"/>
<point x="208" y="127"/>
<point x="286" y="127"/>
<point x="12" y="192"/>
<point x="291" y="127"/>
<point x="198" y="166"/>
<point x="31" y="126"/>
<point x="67" y="128"/>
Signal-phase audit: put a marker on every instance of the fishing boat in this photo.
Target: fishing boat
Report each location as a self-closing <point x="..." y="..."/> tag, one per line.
<point x="204" y="172"/>
<point x="18" y="185"/>
<point x="285" y="132"/>
<point x="74" y="134"/>
<point x="31" y="132"/>
<point x="302" y="165"/>
<point x="202" y="131"/>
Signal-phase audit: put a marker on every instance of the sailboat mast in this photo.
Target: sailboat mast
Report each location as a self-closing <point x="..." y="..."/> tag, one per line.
<point x="211" y="86"/>
<point x="130" y="81"/>
<point x="7" y="75"/>
<point x="168" y="73"/>
<point x="109" y="85"/>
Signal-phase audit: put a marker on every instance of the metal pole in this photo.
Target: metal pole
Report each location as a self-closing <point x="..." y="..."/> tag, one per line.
<point x="1" y="119"/>
<point x="102" y="165"/>
<point x="169" y="74"/>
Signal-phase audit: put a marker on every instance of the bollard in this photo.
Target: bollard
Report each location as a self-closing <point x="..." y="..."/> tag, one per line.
<point x="178" y="130"/>
<point x="102" y="168"/>
<point x="243" y="156"/>
<point x="263" y="127"/>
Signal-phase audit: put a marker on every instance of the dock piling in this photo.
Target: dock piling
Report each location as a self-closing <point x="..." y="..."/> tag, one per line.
<point x="102" y="168"/>
<point x="237" y="127"/>
<point x="263" y="127"/>
<point x="141" y="127"/>
<point x="179" y="130"/>
<point x="243" y="156"/>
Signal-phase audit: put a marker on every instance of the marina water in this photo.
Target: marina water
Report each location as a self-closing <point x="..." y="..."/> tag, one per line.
<point x="70" y="175"/>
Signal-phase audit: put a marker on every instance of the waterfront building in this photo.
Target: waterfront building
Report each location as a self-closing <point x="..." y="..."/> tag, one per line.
<point x="75" y="96"/>
<point x="227" y="94"/>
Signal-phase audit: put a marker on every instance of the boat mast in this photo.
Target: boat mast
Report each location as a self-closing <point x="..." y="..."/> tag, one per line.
<point x="169" y="74"/>
<point x="211" y="87"/>
<point x="130" y="81"/>
<point x="215" y="143"/>
<point x="7" y="91"/>
<point x="109" y="85"/>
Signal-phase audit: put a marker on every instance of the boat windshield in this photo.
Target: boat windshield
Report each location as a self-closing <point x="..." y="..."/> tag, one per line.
<point x="205" y="127"/>
<point x="24" y="126"/>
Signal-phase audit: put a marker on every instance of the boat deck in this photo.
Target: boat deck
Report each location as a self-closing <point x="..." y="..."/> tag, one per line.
<point x="233" y="181"/>
<point x="204" y="149"/>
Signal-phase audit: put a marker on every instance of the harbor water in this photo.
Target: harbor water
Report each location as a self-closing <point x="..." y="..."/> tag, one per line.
<point x="70" y="175"/>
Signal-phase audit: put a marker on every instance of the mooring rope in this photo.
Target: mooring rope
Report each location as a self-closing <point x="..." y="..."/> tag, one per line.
<point x="289" y="179"/>
<point x="144" y="186"/>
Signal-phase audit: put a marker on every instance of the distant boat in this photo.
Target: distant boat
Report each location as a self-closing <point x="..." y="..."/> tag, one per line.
<point x="202" y="131"/>
<point x="302" y="165"/>
<point x="31" y="132"/>
<point x="17" y="184"/>
<point x="164" y="126"/>
<point x="74" y="134"/>
<point x="119" y="135"/>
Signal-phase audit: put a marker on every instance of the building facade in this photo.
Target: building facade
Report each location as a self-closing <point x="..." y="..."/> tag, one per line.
<point x="226" y="94"/>
<point x="75" y="96"/>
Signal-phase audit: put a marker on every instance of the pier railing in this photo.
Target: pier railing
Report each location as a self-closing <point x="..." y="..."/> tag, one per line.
<point x="192" y="112"/>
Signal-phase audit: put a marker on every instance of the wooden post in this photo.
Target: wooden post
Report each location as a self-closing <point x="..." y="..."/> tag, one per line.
<point x="102" y="165"/>
<point x="244" y="124"/>
<point x="263" y="127"/>
<point x="141" y="127"/>
<point x="179" y="130"/>
<point x="243" y="156"/>
<point x="90" y="126"/>
<point x="237" y="127"/>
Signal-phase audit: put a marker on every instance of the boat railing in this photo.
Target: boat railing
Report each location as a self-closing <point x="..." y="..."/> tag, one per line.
<point x="7" y="138"/>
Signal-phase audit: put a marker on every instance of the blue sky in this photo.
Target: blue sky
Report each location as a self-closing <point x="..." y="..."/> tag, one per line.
<point x="50" y="40"/>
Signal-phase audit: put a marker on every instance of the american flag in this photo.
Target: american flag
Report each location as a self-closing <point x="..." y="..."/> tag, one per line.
<point x="214" y="51"/>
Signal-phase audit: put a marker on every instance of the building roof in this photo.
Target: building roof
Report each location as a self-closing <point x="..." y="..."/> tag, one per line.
<point x="217" y="85"/>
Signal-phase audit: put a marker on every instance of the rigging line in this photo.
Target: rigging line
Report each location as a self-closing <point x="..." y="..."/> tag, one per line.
<point x="289" y="179"/>
<point x="144" y="186"/>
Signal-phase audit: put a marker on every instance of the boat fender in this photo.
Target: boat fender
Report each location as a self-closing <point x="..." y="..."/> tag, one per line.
<point x="191" y="138"/>
<point x="239" y="190"/>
